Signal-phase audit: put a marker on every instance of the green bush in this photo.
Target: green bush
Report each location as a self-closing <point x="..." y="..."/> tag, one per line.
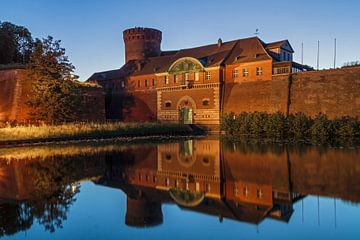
<point x="299" y="125"/>
<point x="276" y="126"/>
<point x="296" y="126"/>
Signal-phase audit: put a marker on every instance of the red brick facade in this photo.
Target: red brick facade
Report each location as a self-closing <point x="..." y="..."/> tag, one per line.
<point x="197" y="85"/>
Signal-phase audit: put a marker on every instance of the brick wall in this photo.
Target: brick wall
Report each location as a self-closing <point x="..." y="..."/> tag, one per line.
<point x="332" y="92"/>
<point x="140" y="106"/>
<point x="261" y="96"/>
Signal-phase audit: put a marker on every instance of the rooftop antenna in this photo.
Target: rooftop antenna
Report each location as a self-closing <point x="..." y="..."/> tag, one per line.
<point x="318" y="53"/>
<point x="257" y="32"/>
<point x="334" y="53"/>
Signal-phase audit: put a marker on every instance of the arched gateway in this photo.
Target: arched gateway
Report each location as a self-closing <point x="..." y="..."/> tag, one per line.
<point x="186" y="106"/>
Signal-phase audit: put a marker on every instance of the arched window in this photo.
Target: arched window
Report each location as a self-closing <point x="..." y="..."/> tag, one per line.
<point x="168" y="104"/>
<point x="206" y="102"/>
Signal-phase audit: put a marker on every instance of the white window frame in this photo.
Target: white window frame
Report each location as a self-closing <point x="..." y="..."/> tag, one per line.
<point x="258" y="71"/>
<point x="245" y="72"/>
<point x="207" y="75"/>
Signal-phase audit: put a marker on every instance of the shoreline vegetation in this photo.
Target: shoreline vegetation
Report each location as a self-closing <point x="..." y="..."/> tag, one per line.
<point x="293" y="128"/>
<point x="82" y="131"/>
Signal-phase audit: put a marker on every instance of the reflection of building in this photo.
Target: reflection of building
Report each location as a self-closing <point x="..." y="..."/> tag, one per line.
<point x="244" y="182"/>
<point x="196" y="175"/>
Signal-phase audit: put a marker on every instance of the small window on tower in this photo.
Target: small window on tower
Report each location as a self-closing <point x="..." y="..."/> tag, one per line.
<point x="175" y="78"/>
<point x="166" y="79"/>
<point x="139" y="83"/>
<point x="146" y="82"/>
<point x="153" y="82"/>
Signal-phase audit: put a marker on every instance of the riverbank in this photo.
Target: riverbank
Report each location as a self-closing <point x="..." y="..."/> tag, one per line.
<point x="33" y="134"/>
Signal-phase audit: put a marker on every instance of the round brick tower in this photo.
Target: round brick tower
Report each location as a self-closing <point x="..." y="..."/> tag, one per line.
<point x="142" y="213"/>
<point x="141" y="43"/>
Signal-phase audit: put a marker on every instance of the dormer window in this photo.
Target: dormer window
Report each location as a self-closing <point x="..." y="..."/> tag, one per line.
<point x="235" y="73"/>
<point x="258" y="71"/>
<point x="245" y="72"/>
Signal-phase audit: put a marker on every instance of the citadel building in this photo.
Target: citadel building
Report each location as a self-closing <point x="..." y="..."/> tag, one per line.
<point x="194" y="85"/>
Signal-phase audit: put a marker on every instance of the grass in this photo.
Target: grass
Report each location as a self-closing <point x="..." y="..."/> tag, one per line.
<point x="89" y="130"/>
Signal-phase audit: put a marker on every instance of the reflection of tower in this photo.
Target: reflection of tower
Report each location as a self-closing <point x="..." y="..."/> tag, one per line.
<point x="143" y="213"/>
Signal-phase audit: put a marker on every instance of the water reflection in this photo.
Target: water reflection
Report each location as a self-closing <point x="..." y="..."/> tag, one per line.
<point x="246" y="182"/>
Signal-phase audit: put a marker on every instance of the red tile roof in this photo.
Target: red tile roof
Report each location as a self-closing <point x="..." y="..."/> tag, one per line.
<point x="236" y="51"/>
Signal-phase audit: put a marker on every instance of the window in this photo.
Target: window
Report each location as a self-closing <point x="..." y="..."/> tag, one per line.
<point x="245" y="72"/>
<point x="259" y="193"/>
<point x="207" y="75"/>
<point x="207" y="187"/>
<point x="236" y="191"/>
<point x="258" y="71"/>
<point x="139" y="83"/>
<point x="197" y="76"/>
<point x="205" y="102"/>
<point x="235" y="73"/>
<point x="122" y="84"/>
<point x="167" y="182"/>
<point x="166" y="79"/>
<point x="153" y="82"/>
<point x="146" y="82"/>
<point x="245" y="191"/>
<point x="175" y="78"/>
<point x="167" y="104"/>
<point x="186" y="76"/>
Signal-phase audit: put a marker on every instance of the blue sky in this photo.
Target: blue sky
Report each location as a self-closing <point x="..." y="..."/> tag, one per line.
<point x="91" y="30"/>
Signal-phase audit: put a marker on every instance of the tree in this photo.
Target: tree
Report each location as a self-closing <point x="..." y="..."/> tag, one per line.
<point x="56" y="96"/>
<point x="16" y="44"/>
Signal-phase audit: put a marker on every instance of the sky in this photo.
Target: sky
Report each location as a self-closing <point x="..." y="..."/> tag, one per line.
<point x="91" y="30"/>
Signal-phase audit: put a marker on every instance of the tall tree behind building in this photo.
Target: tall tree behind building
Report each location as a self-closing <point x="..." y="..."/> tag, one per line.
<point x="56" y="96"/>
<point x="16" y="44"/>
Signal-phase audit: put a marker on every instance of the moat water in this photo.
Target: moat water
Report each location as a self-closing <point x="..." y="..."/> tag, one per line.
<point x="180" y="189"/>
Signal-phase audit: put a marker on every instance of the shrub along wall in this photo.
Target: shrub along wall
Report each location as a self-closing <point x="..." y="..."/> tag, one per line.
<point x="295" y="126"/>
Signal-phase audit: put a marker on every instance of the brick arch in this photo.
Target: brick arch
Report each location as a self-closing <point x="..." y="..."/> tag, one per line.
<point x="186" y="101"/>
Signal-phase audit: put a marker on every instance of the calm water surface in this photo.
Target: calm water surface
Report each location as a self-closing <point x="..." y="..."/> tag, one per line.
<point x="193" y="189"/>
